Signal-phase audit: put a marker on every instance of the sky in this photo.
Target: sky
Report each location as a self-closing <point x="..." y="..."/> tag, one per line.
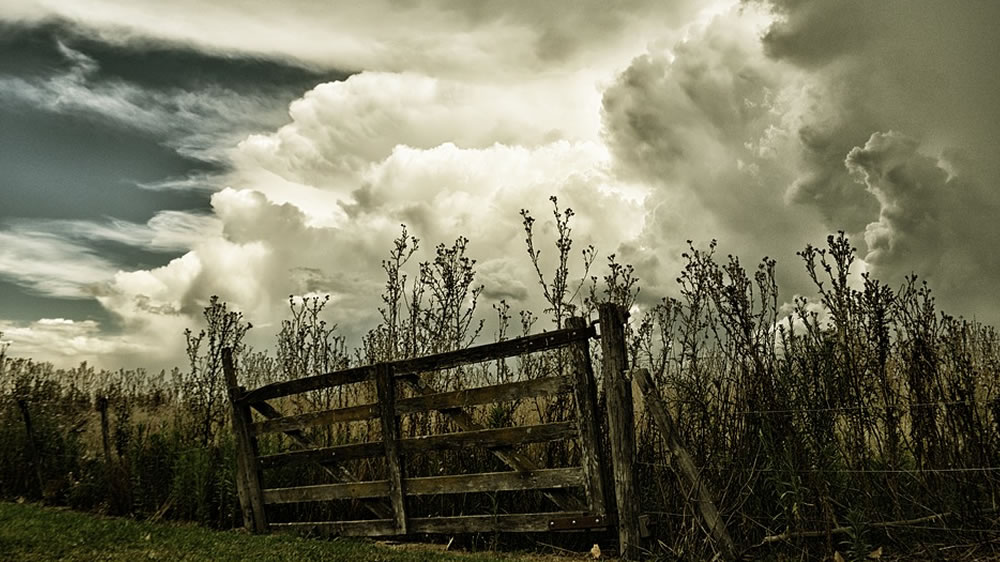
<point x="153" y="153"/>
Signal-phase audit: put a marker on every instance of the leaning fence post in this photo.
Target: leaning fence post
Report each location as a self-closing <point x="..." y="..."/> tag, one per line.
<point x="247" y="472"/>
<point x="684" y="466"/>
<point x="385" y="385"/>
<point x="621" y="425"/>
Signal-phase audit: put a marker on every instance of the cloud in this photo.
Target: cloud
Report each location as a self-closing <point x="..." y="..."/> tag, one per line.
<point x="316" y="204"/>
<point x="705" y="122"/>
<point x="441" y="37"/>
<point x="51" y="266"/>
<point x="166" y="231"/>
<point x="930" y="220"/>
<point x="897" y="134"/>
<point x="656" y="124"/>
<point x="67" y="343"/>
<point x="201" y="124"/>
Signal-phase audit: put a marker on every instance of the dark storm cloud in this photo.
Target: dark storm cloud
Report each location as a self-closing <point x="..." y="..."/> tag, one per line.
<point x="697" y="123"/>
<point x="899" y="133"/>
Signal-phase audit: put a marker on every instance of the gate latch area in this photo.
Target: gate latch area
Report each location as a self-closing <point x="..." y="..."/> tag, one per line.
<point x="585" y="522"/>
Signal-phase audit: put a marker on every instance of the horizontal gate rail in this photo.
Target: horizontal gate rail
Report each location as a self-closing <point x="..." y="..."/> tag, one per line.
<point x="488" y="438"/>
<point x="387" y="498"/>
<point x="520" y="523"/>
<point x="488" y="352"/>
<point x="431" y="485"/>
<point x="439" y="401"/>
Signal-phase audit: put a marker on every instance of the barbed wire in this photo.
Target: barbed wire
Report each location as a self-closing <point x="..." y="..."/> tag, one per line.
<point x="938" y="404"/>
<point x="834" y="470"/>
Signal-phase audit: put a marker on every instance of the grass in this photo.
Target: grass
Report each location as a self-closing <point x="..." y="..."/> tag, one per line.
<point x="33" y="532"/>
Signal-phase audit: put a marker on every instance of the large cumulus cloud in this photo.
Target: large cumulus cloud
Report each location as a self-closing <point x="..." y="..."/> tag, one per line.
<point x="899" y="137"/>
<point x="315" y="205"/>
<point x="706" y="123"/>
<point x="765" y="125"/>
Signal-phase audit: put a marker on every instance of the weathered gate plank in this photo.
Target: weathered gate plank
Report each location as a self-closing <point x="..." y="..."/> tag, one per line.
<point x="430" y="485"/>
<point x="562" y="498"/>
<point x="491" y="351"/>
<point x="442" y="400"/>
<point x="325" y="417"/>
<point x="305" y="384"/>
<point x="488" y="438"/>
<point x="327" y="492"/>
<point x="338" y="453"/>
<point x="333" y="468"/>
<point x="441" y="361"/>
<point x="521" y="522"/>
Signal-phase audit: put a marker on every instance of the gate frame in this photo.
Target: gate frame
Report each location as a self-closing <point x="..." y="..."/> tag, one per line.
<point x="393" y="520"/>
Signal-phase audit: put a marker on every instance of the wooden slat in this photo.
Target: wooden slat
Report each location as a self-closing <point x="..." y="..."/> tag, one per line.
<point x="495" y="482"/>
<point x="565" y="499"/>
<point x="485" y="395"/>
<point x="440" y="401"/>
<point x="369" y="528"/>
<point x="327" y="492"/>
<point x="585" y="391"/>
<point x="451" y="359"/>
<point x="514" y="523"/>
<point x="521" y="523"/>
<point x="297" y="386"/>
<point x="431" y="485"/>
<point x="332" y="468"/>
<point x="337" y="453"/>
<point x="386" y="388"/>
<point x="491" y="351"/>
<point x="325" y="417"/>
<point x="488" y="438"/>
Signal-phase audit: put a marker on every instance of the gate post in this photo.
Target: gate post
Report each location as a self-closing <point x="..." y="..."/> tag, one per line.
<point x="621" y="425"/>
<point x="247" y="472"/>
<point x="385" y="385"/>
<point x="585" y="392"/>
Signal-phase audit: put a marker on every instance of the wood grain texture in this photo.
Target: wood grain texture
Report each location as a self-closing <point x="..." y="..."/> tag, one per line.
<point x="621" y="427"/>
<point x="476" y="354"/>
<point x="385" y="386"/>
<point x="433" y="485"/>
<point x="522" y="523"/>
<point x="585" y="394"/>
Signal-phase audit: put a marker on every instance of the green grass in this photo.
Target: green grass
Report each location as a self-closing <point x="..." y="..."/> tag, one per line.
<point x="32" y="532"/>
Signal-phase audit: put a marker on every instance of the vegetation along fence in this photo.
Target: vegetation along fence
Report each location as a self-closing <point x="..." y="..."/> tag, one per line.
<point x="578" y="495"/>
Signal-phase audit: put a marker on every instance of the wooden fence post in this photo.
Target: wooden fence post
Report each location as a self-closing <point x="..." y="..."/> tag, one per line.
<point x="585" y="392"/>
<point x="32" y="444"/>
<point x="621" y="426"/>
<point x="102" y="409"/>
<point x="684" y="466"/>
<point x="247" y="471"/>
<point x="385" y="385"/>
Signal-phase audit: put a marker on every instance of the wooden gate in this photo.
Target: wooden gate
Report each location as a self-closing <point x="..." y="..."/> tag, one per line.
<point x="577" y="494"/>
